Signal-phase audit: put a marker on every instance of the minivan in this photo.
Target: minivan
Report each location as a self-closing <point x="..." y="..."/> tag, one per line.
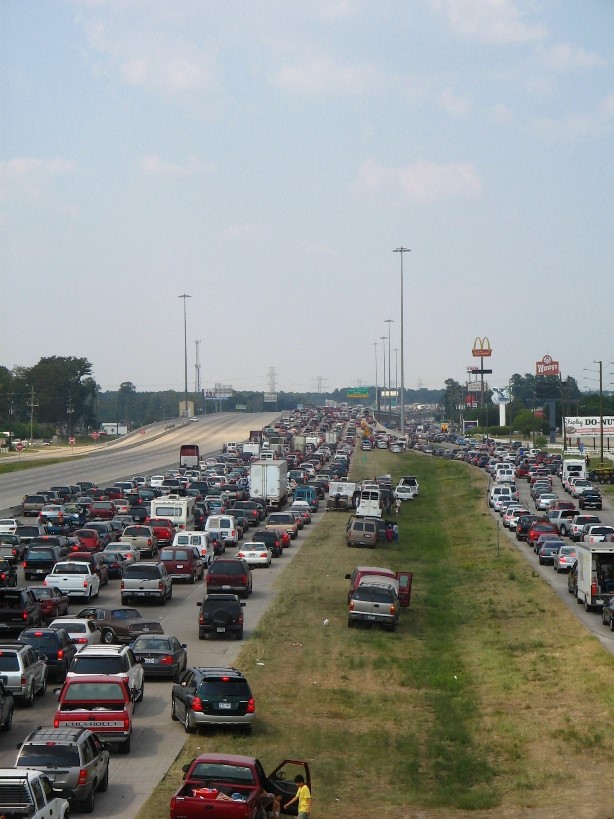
<point x="361" y="532"/>
<point x="183" y="562"/>
<point x="199" y="540"/>
<point x="223" y="527"/>
<point x="499" y="492"/>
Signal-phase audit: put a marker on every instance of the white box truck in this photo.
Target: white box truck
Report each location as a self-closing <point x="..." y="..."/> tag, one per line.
<point x="269" y="480"/>
<point x="595" y="574"/>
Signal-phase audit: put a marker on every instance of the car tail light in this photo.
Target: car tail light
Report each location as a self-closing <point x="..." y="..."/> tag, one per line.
<point x="24" y="615"/>
<point x="168" y="660"/>
<point x="82" y="776"/>
<point x="80" y="640"/>
<point x="85" y="584"/>
<point x="197" y="704"/>
<point x="126" y="723"/>
<point x="3" y="576"/>
<point x="14" y="553"/>
<point x="149" y="541"/>
<point x="201" y="619"/>
<point x="251" y="705"/>
<point x="351" y="605"/>
<point x="23" y="680"/>
<point x="393" y="608"/>
<point x="56" y="723"/>
<point x="25" y="564"/>
<point x="122" y="586"/>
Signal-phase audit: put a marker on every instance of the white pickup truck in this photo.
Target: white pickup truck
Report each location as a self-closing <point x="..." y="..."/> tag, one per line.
<point x="29" y="794"/>
<point x="75" y="578"/>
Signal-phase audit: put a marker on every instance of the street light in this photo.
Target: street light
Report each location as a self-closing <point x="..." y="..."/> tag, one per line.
<point x="383" y="340"/>
<point x="402" y="250"/>
<point x="376" y="384"/>
<point x="389" y="322"/>
<point x="185" y="296"/>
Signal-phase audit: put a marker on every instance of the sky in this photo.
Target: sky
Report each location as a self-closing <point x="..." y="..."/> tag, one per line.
<point x="266" y="157"/>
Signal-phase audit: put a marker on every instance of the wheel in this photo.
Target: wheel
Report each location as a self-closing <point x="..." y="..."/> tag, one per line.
<point x="174" y="716"/>
<point x="563" y="530"/>
<point x="578" y="599"/>
<point x="193" y="578"/>
<point x="603" y="622"/>
<point x="556" y="568"/>
<point x="124" y="747"/>
<point x="42" y="689"/>
<point x="170" y="593"/>
<point x="587" y="605"/>
<point x="141" y="694"/>
<point x="104" y="782"/>
<point x="28" y="700"/>
<point x="87" y="805"/>
<point x="107" y="637"/>
<point x="6" y="725"/>
<point x="186" y="722"/>
<point x="350" y="623"/>
<point x="163" y="599"/>
<point x="240" y="635"/>
<point x="541" y="562"/>
<point x="611" y="624"/>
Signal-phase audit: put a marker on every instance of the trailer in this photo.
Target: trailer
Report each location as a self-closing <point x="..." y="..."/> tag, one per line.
<point x="595" y="571"/>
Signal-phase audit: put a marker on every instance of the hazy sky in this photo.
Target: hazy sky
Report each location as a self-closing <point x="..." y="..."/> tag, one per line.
<point x="267" y="156"/>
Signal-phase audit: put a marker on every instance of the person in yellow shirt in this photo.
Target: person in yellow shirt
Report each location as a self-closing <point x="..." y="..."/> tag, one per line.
<point x="303" y="796"/>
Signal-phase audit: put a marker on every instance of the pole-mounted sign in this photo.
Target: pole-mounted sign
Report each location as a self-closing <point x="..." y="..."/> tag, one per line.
<point x="481" y="348"/>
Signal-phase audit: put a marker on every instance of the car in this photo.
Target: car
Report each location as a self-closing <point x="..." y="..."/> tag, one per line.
<point x="12" y="548"/>
<point x="147" y="580"/>
<point x="102" y="510"/>
<point x="131" y="555"/>
<point x="113" y="661"/>
<point x="53" y="601"/>
<point x="161" y="656"/>
<point x="213" y="697"/>
<point x="229" y="574"/>
<point x="220" y="614"/>
<point x="74" y="759"/>
<point x="105" y="529"/>
<point x="541" y="526"/>
<point x="120" y="624"/>
<point x="272" y="539"/>
<point x="82" y="631"/>
<point x="8" y="526"/>
<point x="183" y="562"/>
<point x="23" y="671"/>
<point x="97" y="564"/>
<point x="256" y="554"/>
<point x="8" y="573"/>
<point x="54" y="644"/>
<point x="564" y="559"/>
<point x="115" y="561"/>
<point x="404" y="493"/>
<point x="544" y="501"/>
<point x="88" y="540"/>
<point x="547" y="552"/>
<point x="365" y="445"/>
<point x="590" y="500"/>
<point x="523" y="526"/>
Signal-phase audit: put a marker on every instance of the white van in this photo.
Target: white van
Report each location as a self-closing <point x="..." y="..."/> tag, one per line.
<point x="575" y="467"/>
<point x="223" y="527"/>
<point x="198" y="539"/>
<point x="369" y="503"/>
<point x="499" y="492"/>
<point x="179" y="510"/>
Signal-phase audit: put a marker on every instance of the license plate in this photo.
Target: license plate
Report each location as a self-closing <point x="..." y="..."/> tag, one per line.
<point x="149" y="660"/>
<point x="225" y="706"/>
<point x="220" y="629"/>
<point x="180" y="565"/>
<point x="140" y="594"/>
<point x="370" y="617"/>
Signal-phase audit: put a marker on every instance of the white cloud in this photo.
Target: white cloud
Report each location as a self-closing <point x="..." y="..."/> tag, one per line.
<point x="457" y="105"/>
<point x="154" y="165"/>
<point x="323" y="75"/>
<point x="423" y="181"/>
<point x="244" y="231"/>
<point x="30" y="176"/>
<point x="565" y="57"/>
<point x="501" y="113"/>
<point x="495" y="21"/>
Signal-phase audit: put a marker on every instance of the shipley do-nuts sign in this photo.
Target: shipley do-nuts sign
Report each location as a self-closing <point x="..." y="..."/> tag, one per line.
<point x="589" y="425"/>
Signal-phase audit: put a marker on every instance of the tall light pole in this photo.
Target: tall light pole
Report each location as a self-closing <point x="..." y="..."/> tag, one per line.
<point x="185" y="296"/>
<point x="402" y="250"/>
<point x="396" y="373"/>
<point x="383" y="340"/>
<point x="389" y="322"/>
<point x="376" y="384"/>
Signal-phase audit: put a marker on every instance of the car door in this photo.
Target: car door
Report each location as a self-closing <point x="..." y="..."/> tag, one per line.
<point x="405" y="581"/>
<point x="184" y="692"/>
<point x="136" y="670"/>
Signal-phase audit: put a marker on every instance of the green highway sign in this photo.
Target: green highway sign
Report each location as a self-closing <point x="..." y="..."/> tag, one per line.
<point x="358" y="392"/>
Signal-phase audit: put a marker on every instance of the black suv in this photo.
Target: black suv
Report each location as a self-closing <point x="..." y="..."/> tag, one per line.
<point x="231" y="574"/>
<point x="271" y="538"/>
<point x="75" y="758"/>
<point x="8" y="573"/>
<point x="220" y="614"/>
<point x="213" y="696"/>
<point x="54" y="645"/>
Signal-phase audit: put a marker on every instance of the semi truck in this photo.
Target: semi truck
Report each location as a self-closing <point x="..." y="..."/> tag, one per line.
<point x="269" y="480"/>
<point x="595" y="570"/>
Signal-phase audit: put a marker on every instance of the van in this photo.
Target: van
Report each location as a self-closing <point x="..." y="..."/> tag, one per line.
<point x="266" y="455"/>
<point x="369" y="503"/>
<point x="309" y="494"/>
<point x="499" y="492"/>
<point x="222" y="527"/>
<point x="361" y="532"/>
<point x="180" y="511"/>
<point x="183" y="562"/>
<point x="198" y="539"/>
<point x="575" y="467"/>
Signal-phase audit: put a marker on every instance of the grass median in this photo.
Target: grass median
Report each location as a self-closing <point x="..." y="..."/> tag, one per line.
<point x="489" y="699"/>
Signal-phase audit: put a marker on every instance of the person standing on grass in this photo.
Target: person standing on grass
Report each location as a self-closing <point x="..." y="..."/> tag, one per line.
<point x="303" y="797"/>
<point x="397" y="506"/>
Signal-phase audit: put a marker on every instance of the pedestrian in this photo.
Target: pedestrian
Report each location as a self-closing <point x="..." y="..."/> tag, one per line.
<point x="276" y="807"/>
<point x="395" y="532"/>
<point x="397" y="506"/>
<point x="389" y="533"/>
<point x="303" y="797"/>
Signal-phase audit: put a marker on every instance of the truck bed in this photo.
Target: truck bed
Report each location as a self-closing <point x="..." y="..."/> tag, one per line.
<point x="188" y="804"/>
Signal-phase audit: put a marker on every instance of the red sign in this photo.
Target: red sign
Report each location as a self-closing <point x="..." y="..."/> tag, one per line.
<point x="547" y="366"/>
<point x="95" y="435"/>
<point x="71" y="440"/>
<point x="471" y="401"/>
<point x="481" y="348"/>
<point x="142" y="431"/>
<point x="19" y="447"/>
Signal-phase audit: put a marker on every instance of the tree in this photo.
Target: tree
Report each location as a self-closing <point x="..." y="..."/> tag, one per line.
<point x="57" y="385"/>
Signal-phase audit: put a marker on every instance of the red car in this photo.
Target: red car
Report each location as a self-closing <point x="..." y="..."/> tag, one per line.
<point x="53" y="601"/>
<point x="163" y="529"/>
<point x="102" y="510"/>
<point x="562" y="505"/>
<point x="89" y="541"/>
<point x="541" y="526"/>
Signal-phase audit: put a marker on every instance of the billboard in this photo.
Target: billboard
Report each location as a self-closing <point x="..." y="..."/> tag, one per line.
<point x="471" y="400"/>
<point x="270" y="398"/>
<point x="584" y="425"/>
<point x="547" y="367"/>
<point x="219" y="393"/>
<point x="481" y="348"/>
<point x="469" y="425"/>
<point x="358" y="392"/>
<point x="475" y="386"/>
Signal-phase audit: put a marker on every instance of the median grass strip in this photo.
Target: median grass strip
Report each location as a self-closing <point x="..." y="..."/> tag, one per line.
<point x="490" y="699"/>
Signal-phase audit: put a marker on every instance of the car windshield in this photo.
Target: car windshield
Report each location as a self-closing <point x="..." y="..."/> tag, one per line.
<point x="151" y="644"/>
<point x="233" y="774"/>
<point x="94" y="692"/>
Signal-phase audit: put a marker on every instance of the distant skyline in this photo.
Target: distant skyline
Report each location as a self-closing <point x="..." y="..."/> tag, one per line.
<point x="266" y="159"/>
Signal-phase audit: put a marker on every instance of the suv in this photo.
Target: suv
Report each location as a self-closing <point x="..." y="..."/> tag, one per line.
<point x="22" y="671"/>
<point x="272" y="540"/>
<point x="147" y="580"/>
<point x="213" y="696"/>
<point x="116" y="661"/>
<point x="375" y="601"/>
<point x="220" y="614"/>
<point x="230" y="574"/>
<point x="74" y="757"/>
<point x="54" y="644"/>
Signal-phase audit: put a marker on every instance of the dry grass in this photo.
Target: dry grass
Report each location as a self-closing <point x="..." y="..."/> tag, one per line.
<point x="489" y="700"/>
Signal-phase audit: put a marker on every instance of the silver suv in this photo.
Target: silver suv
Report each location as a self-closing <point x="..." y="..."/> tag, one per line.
<point x="117" y="661"/>
<point x="146" y="580"/>
<point x="72" y="758"/>
<point x="23" y="671"/>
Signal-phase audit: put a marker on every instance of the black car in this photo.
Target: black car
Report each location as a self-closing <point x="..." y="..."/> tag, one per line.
<point x="271" y="538"/>
<point x="547" y="552"/>
<point x="7" y="706"/>
<point x="213" y="697"/>
<point x="524" y="524"/>
<point x="161" y="655"/>
<point x="590" y="500"/>
<point x="220" y="614"/>
<point x="8" y="573"/>
<point x="39" y="560"/>
<point x="54" y="645"/>
<point x="139" y="512"/>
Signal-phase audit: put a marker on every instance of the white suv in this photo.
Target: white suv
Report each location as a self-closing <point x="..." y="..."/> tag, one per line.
<point x="116" y="661"/>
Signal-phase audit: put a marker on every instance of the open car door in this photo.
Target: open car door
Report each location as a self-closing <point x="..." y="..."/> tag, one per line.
<point x="405" y="579"/>
<point x="281" y="781"/>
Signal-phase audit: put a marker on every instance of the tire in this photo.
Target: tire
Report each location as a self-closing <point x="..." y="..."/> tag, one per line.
<point x="193" y="578"/>
<point x="564" y="530"/>
<point x="170" y="594"/>
<point x="603" y="622"/>
<point x="578" y="600"/>
<point x="611" y="624"/>
<point x="87" y="805"/>
<point x="163" y="599"/>
<point x="6" y="725"/>
<point x="124" y="747"/>
<point x="41" y="691"/>
<point x="104" y="782"/>
<point x="587" y="606"/>
<point x="141" y="694"/>
<point x="174" y="716"/>
<point x="28" y="700"/>
<point x="240" y="635"/>
<point x="186" y="722"/>
<point x="107" y="637"/>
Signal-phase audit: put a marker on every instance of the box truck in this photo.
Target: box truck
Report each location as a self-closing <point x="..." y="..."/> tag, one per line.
<point x="269" y="480"/>
<point x="595" y="574"/>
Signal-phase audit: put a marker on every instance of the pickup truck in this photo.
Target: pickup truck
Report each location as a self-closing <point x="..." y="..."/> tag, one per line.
<point x="29" y="794"/>
<point x="75" y="578"/>
<point x="375" y="601"/>
<point x="226" y="786"/>
<point x="142" y="538"/>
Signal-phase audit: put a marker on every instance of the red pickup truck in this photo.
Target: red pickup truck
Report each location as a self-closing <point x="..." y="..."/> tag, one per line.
<point x="226" y="786"/>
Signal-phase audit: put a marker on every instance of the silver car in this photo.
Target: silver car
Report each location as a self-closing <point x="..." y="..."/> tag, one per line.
<point x="23" y="671"/>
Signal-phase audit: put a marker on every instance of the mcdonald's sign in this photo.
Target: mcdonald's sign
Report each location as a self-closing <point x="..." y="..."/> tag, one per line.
<point x="481" y="347"/>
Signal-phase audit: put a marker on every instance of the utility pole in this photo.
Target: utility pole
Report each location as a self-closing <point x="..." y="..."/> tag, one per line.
<point x="69" y="411"/>
<point x="600" y="410"/>
<point x="185" y="296"/>
<point x="396" y="372"/>
<point x="383" y="340"/>
<point x="272" y="379"/>
<point x="31" y="403"/>
<point x="402" y="250"/>
<point x="376" y="381"/>
<point x="197" y="368"/>
<point x="389" y="322"/>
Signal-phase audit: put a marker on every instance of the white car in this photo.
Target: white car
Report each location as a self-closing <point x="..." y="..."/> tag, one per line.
<point x="82" y="632"/>
<point x="157" y="480"/>
<point x="8" y="526"/>
<point x="75" y="578"/>
<point x="131" y="554"/>
<point x="404" y="493"/>
<point x="256" y="553"/>
<point x="545" y="501"/>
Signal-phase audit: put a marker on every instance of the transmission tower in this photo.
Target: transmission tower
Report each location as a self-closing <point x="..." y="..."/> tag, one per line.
<point x="272" y="379"/>
<point x="197" y="368"/>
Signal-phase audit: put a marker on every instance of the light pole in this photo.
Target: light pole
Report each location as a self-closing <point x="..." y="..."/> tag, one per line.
<point x="396" y="374"/>
<point x="376" y="384"/>
<point x="383" y="340"/>
<point x="185" y="296"/>
<point x="389" y="322"/>
<point x="402" y="250"/>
